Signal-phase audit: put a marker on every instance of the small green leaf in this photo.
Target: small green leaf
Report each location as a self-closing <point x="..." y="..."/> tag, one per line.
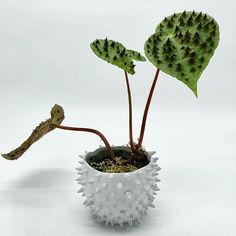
<point x="115" y="53"/>
<point x="183" y="46"/>
<point x="57" y="116"/>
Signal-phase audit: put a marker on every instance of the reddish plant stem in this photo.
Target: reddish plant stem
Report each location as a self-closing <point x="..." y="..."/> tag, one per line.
<point x="140" y="140"/>
<point x="94" y="131"/>
<point x="130" y="113"/>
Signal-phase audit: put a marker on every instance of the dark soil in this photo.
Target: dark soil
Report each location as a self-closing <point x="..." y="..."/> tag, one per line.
<point x="125" y="161"/>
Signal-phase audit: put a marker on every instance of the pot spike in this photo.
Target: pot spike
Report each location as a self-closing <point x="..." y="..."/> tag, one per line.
<point x="81" y="162"/>
<point x="81" y="190"/>
<point x="97" y="209"/>
<point x="97" y="190"/>
<point x="154" y="165"/>
<point x="98" y="175"/>
<point x="157" y="180"/>
<point x="130" y="222"/>
<point x="151" y="198"/>
<point x="106" y="222"/>
<point x="82" y="182"/>
<point x="141" y="172"/>
<point x="91" y="181"/>
<point x="127" y="175"/>
<point x="88" y="202"/>
<point x="155" y="159"/>
<point x="121" y="224"/>
<point x="156" y="168"/>
<point x="81" y="156"/>
<point x="79" y="168"/>
<point x="83" y="171"/>
<point x="150" y="178"/>
<point x="111" y="176"/>
<point x="145" y="213"/>
<point x="119" y="185"/>
<point x="141" y="202"/>
<point x="112" y="222"/>
<point x="155" y="188"/>
<point x="78" y="179"/>
<point x="138" y="219"/>
<point x="155" y="174"/>
<point x="99" y="219"/>
<point x="129" y="195"/>
<point x="151" y="205"/>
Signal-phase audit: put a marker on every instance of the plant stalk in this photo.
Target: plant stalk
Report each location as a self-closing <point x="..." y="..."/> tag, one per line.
<point x="130" y="113"/>
<point x="94" y="131"/>
<point x="140" y="140"/>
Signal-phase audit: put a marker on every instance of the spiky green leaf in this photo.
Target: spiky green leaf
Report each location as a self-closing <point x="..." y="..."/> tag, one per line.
<point x="183" y="45"/>
<point x="115" y="53"/>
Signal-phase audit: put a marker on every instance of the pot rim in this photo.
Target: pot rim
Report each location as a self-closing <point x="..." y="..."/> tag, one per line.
<point x="140" y="170"/>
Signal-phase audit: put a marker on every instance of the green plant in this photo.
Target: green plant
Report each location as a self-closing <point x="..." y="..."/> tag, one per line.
<point x="181" y="46"/>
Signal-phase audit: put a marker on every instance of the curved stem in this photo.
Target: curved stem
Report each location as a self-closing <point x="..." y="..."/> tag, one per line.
<point x="130" y="113"/>
<point x="94" y="131"/>
<point x="140" y="140"/>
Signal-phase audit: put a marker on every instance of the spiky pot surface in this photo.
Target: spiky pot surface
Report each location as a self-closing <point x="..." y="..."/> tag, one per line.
<point x="118" y="198"/>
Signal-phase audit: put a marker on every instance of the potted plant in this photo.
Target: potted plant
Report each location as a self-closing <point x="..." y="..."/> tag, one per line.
<point x="120" y="182"/>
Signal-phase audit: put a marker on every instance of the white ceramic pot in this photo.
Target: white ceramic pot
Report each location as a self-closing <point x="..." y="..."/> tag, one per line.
<point x="118" y="198"/>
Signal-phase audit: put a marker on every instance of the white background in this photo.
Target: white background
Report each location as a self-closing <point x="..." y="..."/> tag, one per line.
<point x="45" y="59"/>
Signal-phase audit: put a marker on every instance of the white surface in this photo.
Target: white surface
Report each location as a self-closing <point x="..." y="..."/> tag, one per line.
<point x="45" y="59"/>
<point x="197" y="197"/>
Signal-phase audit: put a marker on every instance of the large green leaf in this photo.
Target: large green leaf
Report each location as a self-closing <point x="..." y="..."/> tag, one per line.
<point x="183" y="45"/>
<point x="115" y="53"/>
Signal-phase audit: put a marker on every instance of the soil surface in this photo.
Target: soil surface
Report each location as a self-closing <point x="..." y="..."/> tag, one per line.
<point x="125" y="161"/>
